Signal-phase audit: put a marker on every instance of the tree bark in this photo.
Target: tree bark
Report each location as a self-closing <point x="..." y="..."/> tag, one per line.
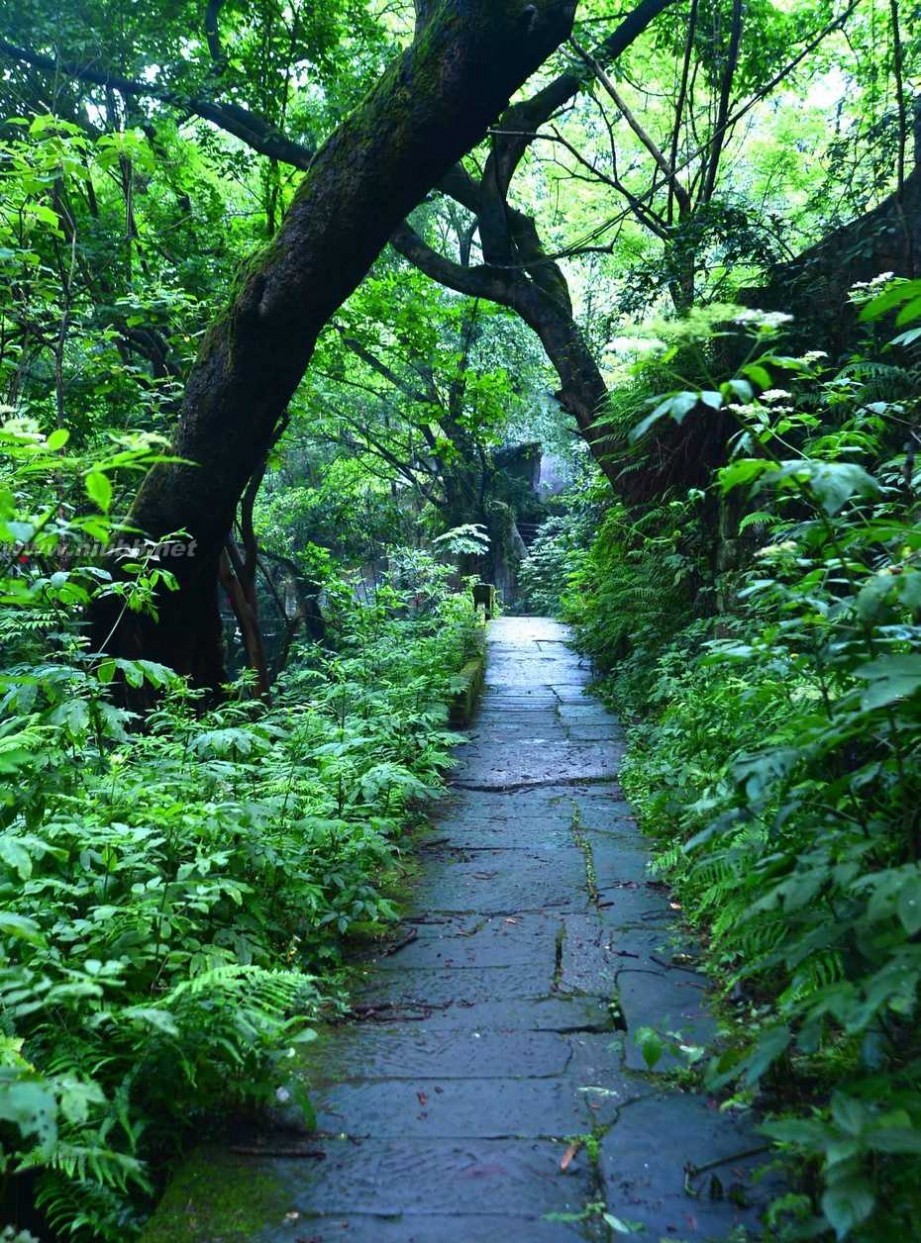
<point x="814" y="286"/>
<point x="429" y="108"/>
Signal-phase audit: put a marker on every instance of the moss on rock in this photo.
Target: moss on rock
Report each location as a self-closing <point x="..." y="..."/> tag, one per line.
<point x="217" y="1197"/>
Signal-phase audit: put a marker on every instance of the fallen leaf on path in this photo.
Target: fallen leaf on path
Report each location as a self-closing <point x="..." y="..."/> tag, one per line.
<point x="620" y="1225"/>
<point x="567" y="1157"/>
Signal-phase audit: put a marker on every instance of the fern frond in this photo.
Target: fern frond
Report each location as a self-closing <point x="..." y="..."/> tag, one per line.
<point x="89" y="1162"/>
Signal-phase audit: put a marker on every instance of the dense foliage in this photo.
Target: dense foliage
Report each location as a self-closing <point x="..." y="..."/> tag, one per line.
<point x="175" y="899"/>
<point x="774" y="691"/>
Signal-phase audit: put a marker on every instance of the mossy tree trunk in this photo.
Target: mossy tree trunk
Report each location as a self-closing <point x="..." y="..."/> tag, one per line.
<point x="429" y="108"/>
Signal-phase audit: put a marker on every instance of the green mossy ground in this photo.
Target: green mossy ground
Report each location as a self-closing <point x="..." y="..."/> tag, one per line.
<point x="209" y="1201"/>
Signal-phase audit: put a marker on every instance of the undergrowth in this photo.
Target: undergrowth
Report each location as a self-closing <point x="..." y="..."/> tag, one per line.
<point x="764" y="644"/>
<point x="174" y="899"/>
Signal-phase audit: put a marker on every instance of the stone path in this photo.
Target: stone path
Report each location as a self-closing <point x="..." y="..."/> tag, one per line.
<point x="500" y="1033"/>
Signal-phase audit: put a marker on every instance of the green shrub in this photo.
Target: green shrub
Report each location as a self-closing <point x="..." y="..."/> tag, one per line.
<point x="778" y="767"/>
<point x="173" y="901"/>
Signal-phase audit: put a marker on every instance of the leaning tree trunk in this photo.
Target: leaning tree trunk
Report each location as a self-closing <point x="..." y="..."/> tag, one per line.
<point x="429" y="108"/>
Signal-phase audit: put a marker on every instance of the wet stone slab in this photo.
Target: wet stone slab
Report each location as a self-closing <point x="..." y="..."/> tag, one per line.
<point x="643" y="1160"/>
<point x="617" y="864"/>
<point x="427" y="1228"/>
<point x="671" y="1001"/>
<point x="586" y="961"/>
<point x="459" y="985"/>
<point x="628" y="903"/>
<point x="521" y="764"/>
<point x="513" y="833"/>
<point x="413" y="1052"/>
<point x="540" y="726"/>
<point x="556" y="1012"/>
<point x="453" y="1108"/>
<point x="498" y="882"/>
<point x="408" y="1176"/>
<point x="480" y="941"/>
<point x="585" y="712"/>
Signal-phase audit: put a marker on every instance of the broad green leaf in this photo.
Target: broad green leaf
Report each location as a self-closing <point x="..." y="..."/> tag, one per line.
<point x="896" y="294"/>
<point x="833" y="484"/>
<point x="58" y="439"/>
<point x="908" y="905"/>
<point x="740" y="390"/>
<point x="909" y="312"/>
<point x="15" y="856"/>
<point x="872" y="595"/>
<point x="890" y="678"/>
<point x="759" y="375"/>
<point x="76" y="1097"/>
<point x="106" y="671"/>
<point x="907" y="338"/>
<point x="804" y="1132"/>
<point x="99" y="489"/>
<point x="770" y="1045"/>
<point x="73" y="715"/>
<point x="848" y="1205"/>
<point x="851" y="1115"/>
<point x="894" y="1139"/>
<point x="650" y="1045"/>
<point x="682" y="404"/>
<point x="12" y="925"/>
<point x="742" y="472"/>
<point x="29" y="1103"/>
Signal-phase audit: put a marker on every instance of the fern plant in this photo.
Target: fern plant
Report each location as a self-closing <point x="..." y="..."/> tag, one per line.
<point x="780" y="742"/>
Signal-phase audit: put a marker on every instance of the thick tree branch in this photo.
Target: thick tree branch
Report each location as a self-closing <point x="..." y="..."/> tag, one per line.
<point x="251" y="129"/>
<point x="544" y="310"/>
<point x="213" y="34"/>
<point x="480" y="281"/>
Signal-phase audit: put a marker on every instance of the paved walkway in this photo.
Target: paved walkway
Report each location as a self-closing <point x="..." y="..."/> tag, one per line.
<point x="493" y="1092"/>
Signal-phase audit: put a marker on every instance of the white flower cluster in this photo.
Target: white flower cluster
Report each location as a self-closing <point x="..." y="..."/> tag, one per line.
<point x="762" y="319"/>
<point x="862" y="288"/>
<point x="777" y="550"/>
<point x="776" y="394"/>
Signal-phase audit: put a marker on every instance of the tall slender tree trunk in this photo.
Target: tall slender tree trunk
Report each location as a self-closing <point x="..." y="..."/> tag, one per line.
<point x="429" y="108"/>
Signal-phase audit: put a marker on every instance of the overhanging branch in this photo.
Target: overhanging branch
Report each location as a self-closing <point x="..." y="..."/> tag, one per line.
<point x="251" y="129"/>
